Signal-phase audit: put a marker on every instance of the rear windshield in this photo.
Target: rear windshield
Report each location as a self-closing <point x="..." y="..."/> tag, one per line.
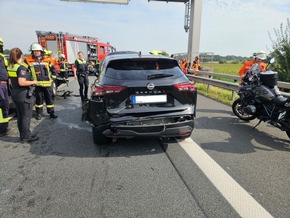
<point x="139" y="69"/>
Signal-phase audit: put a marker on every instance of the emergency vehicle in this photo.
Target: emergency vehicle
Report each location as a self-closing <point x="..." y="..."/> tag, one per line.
<point x="70" y="44"/>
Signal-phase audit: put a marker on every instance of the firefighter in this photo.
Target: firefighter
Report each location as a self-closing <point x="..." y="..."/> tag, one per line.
<point x="184" y="65"/>
<point x="21" y="82"/>
<point x="81" y="73"/>
<point x="63" y="66"/>
<point x="258" y="58"/>
<point x="4" y="95"/>
<point x="43" y="72"/>
<point x="196" y="64"/>
<point x="50" y="57"/>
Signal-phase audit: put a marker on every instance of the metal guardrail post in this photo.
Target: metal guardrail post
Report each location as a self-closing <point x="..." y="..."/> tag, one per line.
<point x="208" y="86"/>
<point x="234" y="92"/>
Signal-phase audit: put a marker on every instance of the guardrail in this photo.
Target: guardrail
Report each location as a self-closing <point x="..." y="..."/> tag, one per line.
<point x="206" y="77"/>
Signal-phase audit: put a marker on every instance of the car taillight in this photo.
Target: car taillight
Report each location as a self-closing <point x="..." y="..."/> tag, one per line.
<point x="185" y="87"/>
<point x="104" y="90"/>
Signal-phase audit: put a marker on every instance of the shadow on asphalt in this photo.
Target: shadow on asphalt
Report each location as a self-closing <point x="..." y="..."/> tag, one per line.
<point x="229" y="134"/>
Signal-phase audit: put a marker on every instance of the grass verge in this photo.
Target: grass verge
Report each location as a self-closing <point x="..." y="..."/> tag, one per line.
<point x="218" y="94"/>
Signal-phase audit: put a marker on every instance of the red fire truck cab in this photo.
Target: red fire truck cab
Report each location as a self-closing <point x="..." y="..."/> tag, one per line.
<point x="70" y="45"/>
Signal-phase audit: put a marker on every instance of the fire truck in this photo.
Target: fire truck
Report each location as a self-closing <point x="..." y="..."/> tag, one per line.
<point x="69" y="44"/>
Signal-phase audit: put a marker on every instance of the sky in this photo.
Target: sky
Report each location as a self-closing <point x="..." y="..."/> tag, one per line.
<point x="228" y="27"/>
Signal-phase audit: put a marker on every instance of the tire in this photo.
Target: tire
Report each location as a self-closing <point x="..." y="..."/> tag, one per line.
<point x="287" y="130"/>
<point x="240" y="113"/>
<point x="288" y="133"/>
<point x="98" y="136"/>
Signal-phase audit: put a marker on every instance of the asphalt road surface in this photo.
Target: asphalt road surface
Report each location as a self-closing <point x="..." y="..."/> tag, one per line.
<point x="226" y="169"/>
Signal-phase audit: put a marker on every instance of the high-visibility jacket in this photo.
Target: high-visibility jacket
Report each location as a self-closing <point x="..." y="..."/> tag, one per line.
<point x="81" y="66"/>
<point x="196" y="65"/>
<point x="184" y="67"/>
<point x="247" y="66"/>
<point x="12" y="72"/>
<point x="52" y="60"/>
<point x="40" y="70"/>
<point x="63" y="67"/>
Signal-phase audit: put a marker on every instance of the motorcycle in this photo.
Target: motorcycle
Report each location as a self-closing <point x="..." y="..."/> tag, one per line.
<point x="259" y="97"/>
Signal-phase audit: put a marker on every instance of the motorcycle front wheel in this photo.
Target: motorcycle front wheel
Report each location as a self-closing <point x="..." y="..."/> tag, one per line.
<point x="288" y="134"/>
<point x="239" y="111"/>
<point x="287" y="130"/>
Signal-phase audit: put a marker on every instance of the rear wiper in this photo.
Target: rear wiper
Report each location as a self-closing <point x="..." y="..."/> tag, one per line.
<point x="159" y="75"/>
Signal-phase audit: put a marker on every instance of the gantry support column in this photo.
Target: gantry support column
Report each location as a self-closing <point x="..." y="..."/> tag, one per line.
<point x="194" y="29"/>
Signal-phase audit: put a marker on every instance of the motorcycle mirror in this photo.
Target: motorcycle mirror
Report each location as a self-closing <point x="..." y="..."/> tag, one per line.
<point x="272" y="60"/>
<point x="97" y="73"/>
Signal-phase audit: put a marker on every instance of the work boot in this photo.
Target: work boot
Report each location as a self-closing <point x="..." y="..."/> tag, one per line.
<point x="52" y="115"/>
<point x="33" y="138"/>
<point x="38" y="116"/>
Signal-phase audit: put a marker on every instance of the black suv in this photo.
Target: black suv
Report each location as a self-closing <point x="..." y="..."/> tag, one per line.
<point x="140" y="96"/>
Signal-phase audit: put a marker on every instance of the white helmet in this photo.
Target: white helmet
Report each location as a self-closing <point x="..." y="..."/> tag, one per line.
<point x="36" y="47"/>
<point x="61" y="56"/>
<point x="261" y="55"/>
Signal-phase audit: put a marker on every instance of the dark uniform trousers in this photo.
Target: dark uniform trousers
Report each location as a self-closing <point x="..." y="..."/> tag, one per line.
<point x="24" y="108"/>
<point x="4" y="105"/>
<point x="43" y="94"/>
<point x="84" y="85"/>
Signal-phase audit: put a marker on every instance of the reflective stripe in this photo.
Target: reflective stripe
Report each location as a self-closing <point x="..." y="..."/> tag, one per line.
<point x="12" y="74"/>
<point x="39" y="105"/>
<point x="44" y="83"/>
<point x="3" y="120"/>
<point x="5" y="60"/>
<point x="81" y="61"/>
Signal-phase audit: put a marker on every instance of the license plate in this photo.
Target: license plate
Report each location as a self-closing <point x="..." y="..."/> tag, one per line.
<point x="142" y="99"/>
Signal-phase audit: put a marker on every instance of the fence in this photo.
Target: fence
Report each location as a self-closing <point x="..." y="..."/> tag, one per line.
<point x="209" y="78"/>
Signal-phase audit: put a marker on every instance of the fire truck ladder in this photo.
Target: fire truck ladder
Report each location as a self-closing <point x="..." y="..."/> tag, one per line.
<point x="59" y="38"/>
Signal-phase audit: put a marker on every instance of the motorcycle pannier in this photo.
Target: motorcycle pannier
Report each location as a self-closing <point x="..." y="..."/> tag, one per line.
<point x="269" y="78"/>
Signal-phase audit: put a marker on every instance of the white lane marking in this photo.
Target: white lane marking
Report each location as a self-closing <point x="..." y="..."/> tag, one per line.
<point x="241" y="201"/>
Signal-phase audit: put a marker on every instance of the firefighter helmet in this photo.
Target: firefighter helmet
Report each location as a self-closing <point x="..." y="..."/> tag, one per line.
<point x="261" y="55"/>
<point x="1" y="42"/>
<point x="36" y="47"/>
<point x="154" y="52"/>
